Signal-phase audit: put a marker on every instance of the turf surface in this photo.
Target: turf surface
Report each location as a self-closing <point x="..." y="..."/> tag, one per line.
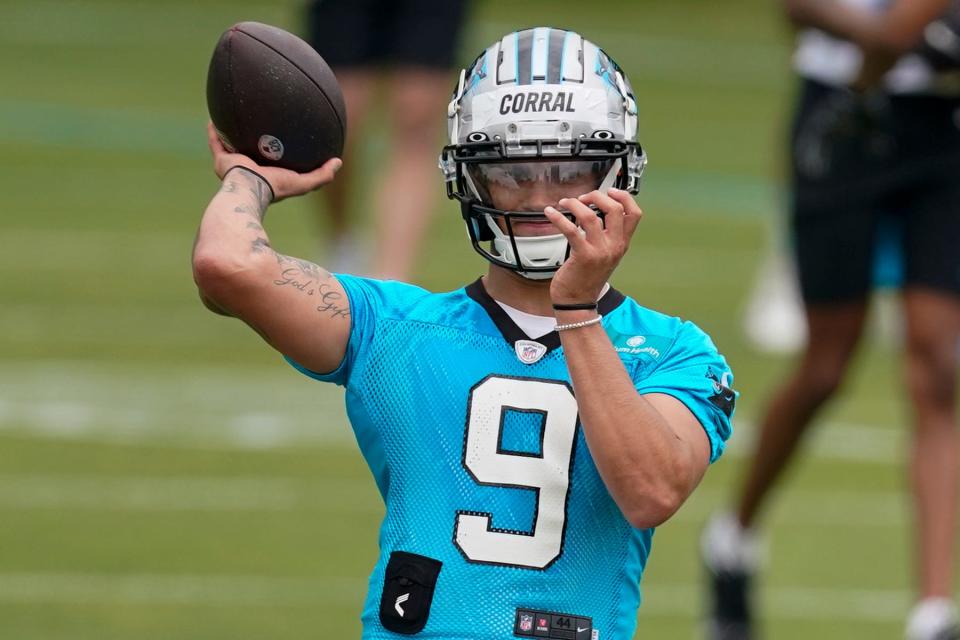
<point x="163" y="475"/>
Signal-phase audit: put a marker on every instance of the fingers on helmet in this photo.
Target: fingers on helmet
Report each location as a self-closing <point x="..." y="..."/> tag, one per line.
<point x="586" y="217"/>
<point x="632" y="213"/>
<point x="570" y="230"/>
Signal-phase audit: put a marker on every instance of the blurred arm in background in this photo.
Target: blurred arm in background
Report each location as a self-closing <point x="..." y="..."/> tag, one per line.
<point x="883" y="37"/>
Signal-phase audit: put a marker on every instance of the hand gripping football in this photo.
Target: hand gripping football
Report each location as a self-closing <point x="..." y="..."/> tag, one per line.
<point x="273" y="98"/>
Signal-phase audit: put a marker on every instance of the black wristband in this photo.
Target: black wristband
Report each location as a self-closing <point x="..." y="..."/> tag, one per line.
<point x="273" y="196"/>
<point x="579" y="306"/>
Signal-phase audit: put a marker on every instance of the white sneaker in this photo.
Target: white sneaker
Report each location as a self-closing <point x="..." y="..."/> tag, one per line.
<point x="774" y="320"/>
<point x="731" y="557"/>
<point x="726" y="546"/>
<point x="933" y="619"/>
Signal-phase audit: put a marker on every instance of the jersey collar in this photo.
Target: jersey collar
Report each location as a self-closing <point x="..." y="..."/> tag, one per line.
<point x="509" y="329"/>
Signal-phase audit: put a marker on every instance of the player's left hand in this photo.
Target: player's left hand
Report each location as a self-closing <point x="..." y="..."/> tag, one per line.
<point x="596" y="246"/>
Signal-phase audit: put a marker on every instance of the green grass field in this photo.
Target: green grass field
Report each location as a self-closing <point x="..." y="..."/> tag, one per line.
<point x="163" y="475"/>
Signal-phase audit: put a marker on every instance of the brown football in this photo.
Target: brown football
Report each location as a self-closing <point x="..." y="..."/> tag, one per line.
<point x="273" y="98"/>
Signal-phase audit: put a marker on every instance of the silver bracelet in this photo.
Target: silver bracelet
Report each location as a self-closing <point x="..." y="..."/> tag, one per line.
<point x="578" y="325"/>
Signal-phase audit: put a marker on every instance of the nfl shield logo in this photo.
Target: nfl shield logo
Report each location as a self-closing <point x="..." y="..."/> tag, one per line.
<point x="526" y="622"/>
<point x="529" y="351"/>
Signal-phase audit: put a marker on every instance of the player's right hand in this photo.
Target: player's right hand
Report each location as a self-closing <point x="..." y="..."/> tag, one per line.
<point x="284" y="182"/>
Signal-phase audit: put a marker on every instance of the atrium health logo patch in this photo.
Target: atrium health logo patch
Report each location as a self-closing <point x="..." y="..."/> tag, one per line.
<point x="635" y="345"/>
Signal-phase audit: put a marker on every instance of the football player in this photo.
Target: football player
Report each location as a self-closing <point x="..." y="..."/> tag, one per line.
<point x="530" y="430"/>
<point x="876" y="138"/>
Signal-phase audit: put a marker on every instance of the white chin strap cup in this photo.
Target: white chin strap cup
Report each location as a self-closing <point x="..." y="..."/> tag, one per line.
<point x="535" y="251"/>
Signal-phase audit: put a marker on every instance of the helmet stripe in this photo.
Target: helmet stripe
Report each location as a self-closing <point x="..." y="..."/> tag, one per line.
<point x="524" y="56"/>
<point x="540" y="56"/>
<point x="558" y="39"/>
<point x="505" y="59"/>
<point x="572" y="67"/>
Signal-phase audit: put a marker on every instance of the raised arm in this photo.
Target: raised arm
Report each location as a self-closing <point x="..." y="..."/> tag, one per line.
<point x="650" y="450"/>
<point x="297" y="307"/>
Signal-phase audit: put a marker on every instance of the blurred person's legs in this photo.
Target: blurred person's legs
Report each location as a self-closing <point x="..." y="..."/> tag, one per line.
<point x="407" y="193"/>
<point x="834" y="331"/>
<point x="932" y="305"/>
<point x="834" y="213"/>
<point x="358" y="85"/>
<point x="834" y="242"/>
<point x="834" y="224"/>
<point x="933" y="330"/>
<point x="423" y="48"/>
<point x="837" y="255"/>
<point x="729" y="544"/>
<point x="773" y="318"/>
<point x="344" y="32"/>
<point x="413" y="43"/>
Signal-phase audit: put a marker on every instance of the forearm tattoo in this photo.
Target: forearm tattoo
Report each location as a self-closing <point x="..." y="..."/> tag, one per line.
<point x="254" y="193"/>
<point x="311" y="280"/>
<point x="294" y="273"/>
<point x="307" y="278"/>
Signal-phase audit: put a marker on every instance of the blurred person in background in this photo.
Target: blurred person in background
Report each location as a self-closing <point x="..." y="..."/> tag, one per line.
<point x="876" y="134"/>
<point x="773" y="318"/>
<point x="410" y="45"/>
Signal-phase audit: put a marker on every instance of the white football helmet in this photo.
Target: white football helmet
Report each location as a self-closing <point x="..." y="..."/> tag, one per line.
<point x="541" y="106"/>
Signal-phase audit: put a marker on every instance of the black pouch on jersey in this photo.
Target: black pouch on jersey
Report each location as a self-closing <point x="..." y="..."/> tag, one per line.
<point x="408" y="592"/>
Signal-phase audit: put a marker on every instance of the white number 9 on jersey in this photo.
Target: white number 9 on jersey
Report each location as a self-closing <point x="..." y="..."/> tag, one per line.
<point x="548" y="472"/>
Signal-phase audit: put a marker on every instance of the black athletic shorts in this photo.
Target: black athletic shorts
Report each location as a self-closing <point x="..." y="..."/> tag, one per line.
<point x="369" y="33"/>
<point x="899" y="159"/>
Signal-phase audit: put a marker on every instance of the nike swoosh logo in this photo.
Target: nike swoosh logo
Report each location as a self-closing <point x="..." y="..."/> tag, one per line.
<point x="579" y="630"/>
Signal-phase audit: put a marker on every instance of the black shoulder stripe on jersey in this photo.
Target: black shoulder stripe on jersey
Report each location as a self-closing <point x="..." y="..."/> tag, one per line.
<point x="610" y="301"/>
<point x="524" y="56"/>
<point x="509" y="329"/>
<point x="555" y="55"/>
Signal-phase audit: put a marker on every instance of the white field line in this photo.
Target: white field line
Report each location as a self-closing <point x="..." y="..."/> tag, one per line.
<point x="182" y="493"/>
<point x="225" y="426"/>
<point x="796" y="508"/>
<point x="804" y="508"/>
<point x="790" y="603"/>
<point x="30" y="588"/>
<point x="213" y="407"/>
<point x="875" y="605"/>
<point x="835" y="441"/>
<point x="195" y="408"/>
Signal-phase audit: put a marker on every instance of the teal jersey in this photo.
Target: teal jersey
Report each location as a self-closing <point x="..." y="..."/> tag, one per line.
<point x="497" y="522"/>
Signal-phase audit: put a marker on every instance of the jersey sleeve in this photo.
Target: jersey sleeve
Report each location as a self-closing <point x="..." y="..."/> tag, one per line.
<point x="369" y="299"/>
<point x="695" y="373"/>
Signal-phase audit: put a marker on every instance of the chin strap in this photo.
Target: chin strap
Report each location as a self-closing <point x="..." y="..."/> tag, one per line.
<point x="611" y="177"/>
<point x="537" y="275"/>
